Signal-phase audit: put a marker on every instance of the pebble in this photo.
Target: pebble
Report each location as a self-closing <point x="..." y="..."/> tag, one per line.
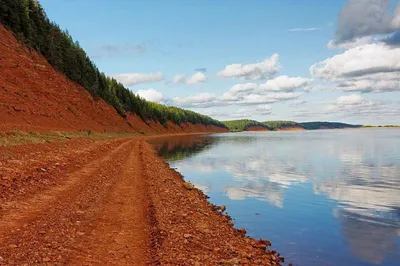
<point x="188" y="186"/>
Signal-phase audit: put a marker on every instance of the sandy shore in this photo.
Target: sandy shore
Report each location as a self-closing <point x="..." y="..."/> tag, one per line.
<point x="111" y="202"/>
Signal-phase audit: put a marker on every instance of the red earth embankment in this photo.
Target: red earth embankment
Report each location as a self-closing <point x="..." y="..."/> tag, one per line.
<point x="257" y="128"/>
<point x="36" y="97"/>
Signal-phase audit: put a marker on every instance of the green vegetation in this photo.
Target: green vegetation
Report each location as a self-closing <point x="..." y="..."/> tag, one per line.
<point x="17" y="137"/>
<point x="327" y="125"/>
<point x="244" y="124"/>
<point x="181" y="151"/>
<point x="30" y="24"/>
<point x="389" y="126"/>
<point x="279" y="124"/>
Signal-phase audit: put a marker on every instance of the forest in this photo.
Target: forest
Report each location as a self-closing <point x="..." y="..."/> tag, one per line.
<point x="244" y="124"/>
<point x="30" y="24"/>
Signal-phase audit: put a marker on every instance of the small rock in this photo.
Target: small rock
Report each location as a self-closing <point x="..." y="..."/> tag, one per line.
<point x="244" y="261"/>
<point x="43" y="170"/>
<point x="242" y="231"/>
<point x="13" y="246"/>
<point x="207" y="231"/>
<point x="187" y="235"/>
<point x="223" y="208"/>
<point x="188" y="186"/>
<point x="46" y="259"/>
<point x="233" y="261"/>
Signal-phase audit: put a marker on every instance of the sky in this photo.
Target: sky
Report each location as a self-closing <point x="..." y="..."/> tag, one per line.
<point x="309" y="60"/>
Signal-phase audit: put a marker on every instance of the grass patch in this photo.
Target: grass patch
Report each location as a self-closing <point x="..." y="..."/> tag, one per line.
<point x="17" y="137"/>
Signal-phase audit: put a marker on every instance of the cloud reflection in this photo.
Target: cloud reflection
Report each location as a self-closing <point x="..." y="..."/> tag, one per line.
<point x="361" y="174"/>
<point x="265" y="191"/>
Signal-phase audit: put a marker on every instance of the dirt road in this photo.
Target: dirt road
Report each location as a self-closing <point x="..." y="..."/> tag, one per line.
<point x="110" y="202"/>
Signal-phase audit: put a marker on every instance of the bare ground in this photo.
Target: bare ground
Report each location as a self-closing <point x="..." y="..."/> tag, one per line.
<point x="110" y="202"/>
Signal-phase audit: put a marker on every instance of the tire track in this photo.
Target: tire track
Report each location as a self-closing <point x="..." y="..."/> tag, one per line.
<point x="47" y="227"/>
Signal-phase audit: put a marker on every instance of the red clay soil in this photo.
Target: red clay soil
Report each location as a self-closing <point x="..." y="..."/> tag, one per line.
<point x="35" y="97"/>
<point x="257" y="128"/>
<point x="111" y="202"/>
<point x="290" y="128"/>
<point x="99" y="202"/>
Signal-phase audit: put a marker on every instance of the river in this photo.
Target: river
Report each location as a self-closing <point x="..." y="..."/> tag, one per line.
<point x="324" y="197"/>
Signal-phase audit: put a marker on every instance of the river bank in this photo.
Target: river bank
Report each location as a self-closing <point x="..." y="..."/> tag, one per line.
<point x="111" y="201"/>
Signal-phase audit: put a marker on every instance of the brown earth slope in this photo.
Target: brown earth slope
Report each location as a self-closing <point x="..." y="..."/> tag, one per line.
<point x="113" y="202"/>
<point x="34" y="96"/>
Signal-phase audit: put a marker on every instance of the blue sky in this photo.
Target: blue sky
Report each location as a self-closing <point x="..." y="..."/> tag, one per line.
<point x="181" y="53"/>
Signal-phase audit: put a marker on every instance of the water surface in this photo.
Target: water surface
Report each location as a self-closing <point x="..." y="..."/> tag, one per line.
<point x="327" y="197"/>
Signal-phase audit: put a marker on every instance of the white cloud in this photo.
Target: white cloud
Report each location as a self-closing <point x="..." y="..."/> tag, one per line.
<point x="351" y="105"/>
<point x="199" y="100"/>
<point x="151" y="95"/>
<point x="351" y="99"/>
<point x="131" y="79"/>
<point x="356" y="105"/>
<point x="298" y="102"/>
<point x="242" y="88"/>
<point x="198" y="77"/>
<point x="364" y="18"/>
<point x="278" y="84"/>
<point x="279" y="89"/>
<point x="249" y="112"/>
<point x="263" y="109"/>
<point x="257" y="71"/>
<point x="304" y="29"/>
<point x="207" y="99"/>
<point x="370" y="85"/>
<point x="367" y="68"/>
<point x="352" y="43"/>
<point x="285" y="83"/>
<point x="359" y="61"/>
<point x="180" y="78"/>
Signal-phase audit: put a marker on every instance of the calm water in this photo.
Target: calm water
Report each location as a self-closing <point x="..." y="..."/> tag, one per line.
<point x="328" y="197"/>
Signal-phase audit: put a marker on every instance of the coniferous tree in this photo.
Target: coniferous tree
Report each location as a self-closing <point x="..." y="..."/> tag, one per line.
<point x="29" y="23"/>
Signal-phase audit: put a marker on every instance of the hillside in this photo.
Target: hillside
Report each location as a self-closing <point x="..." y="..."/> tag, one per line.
<point x="327" y="125"/>
<point x="47" y="82"/>
<point x="251" y="125"/>
<point x="244" y="125"/>
<point x="283" y="125"/>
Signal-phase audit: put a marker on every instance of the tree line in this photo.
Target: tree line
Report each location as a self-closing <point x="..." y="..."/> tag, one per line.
<point x="30" y="24"/>
<point x="244" y="124"/>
